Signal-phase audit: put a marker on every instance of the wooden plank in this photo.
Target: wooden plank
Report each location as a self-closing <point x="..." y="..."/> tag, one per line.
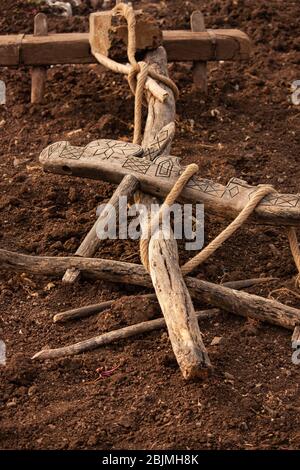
<point x="109" y="34"/>
<point x="74" y="48"/>
<point x="9" y="50"/>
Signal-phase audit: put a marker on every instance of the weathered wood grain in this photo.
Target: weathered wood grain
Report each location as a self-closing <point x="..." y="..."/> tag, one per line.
<point x="74" y="48"/>
<point x="233" y="301"/>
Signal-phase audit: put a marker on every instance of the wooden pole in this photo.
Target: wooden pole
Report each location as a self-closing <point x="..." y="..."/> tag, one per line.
<point x="171" y="291"/>
<point x="92" y="241"/>
<point x="39" y="74"/>
<point x="199" y="67"/>
<point x="233" y="301"/>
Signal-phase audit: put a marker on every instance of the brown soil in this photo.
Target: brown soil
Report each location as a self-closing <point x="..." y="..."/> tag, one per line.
<point x="252" y="399"/>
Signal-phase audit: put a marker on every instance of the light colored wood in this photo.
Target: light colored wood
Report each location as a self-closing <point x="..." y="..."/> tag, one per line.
<point x="82" y="312"/>
<point x="114" y="336"/>
<point x="171" y="291"/>
<point x="74" y="48"/>
<point x="109" y="33"/>
<point x="92" y="241"/>
<point x="150" y="84"/>
<point x="39" y="74"/>
<point x="158" y="177"/>
<point x="199" y="67"/>
<point x="296" y="334"/>
<point x="89" y="310"/>
<point x="233" y="301"/>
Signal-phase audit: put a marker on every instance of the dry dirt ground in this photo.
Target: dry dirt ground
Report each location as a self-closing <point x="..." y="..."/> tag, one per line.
<point x="252" y="399"/>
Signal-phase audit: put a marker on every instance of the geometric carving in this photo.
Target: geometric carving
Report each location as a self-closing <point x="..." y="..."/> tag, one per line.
<point x="106" y="148"/>
<point x="206" y="186"/>
<point x="138" y="165"/>
<point x="164" y="168"/>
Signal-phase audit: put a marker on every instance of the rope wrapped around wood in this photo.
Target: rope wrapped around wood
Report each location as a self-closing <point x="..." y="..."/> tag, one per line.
<point x="137" y="78"/>
<point x="260" y="193"/>
<point x="139" y="70"/>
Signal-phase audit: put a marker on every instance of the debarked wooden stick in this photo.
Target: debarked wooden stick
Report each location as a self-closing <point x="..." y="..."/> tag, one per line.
<point x="88" y="310"/>
<point x="113" y="336"/>
<point x="233" y="301"/>
<point x="92" y="241"/>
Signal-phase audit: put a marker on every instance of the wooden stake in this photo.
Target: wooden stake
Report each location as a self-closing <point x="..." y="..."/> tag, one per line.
<point x="113" y="336"/>
<point x="92" y="241"/>
<point x="233" y="301"/>
<point x="39" y="74"/>
<point x="199" y="67"/>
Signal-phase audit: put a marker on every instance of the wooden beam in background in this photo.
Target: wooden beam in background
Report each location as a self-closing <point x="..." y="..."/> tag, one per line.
<point x="74" y="48"/>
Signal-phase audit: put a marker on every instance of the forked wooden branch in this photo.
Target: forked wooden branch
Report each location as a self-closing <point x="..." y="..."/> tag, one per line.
<point x="233" y="301"/>
<point x="113" y="336"/>
<point x="92" y="241"/>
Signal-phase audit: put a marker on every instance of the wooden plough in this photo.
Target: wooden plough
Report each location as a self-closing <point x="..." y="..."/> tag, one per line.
<point x="148" y="171"/>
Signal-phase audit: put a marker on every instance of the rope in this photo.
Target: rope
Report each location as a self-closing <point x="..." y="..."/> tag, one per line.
<point x="139" y="70"/>
<point x="193" y="263"/>
<point x="189" y="171"/>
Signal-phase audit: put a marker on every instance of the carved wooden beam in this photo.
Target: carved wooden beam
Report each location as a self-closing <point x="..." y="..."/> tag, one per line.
<point x="111" y="160"/>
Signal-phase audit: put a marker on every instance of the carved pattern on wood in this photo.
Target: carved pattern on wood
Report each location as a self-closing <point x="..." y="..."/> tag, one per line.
<point x="157" y="145"/>
<point x="107" y="148"/>
<point x="132" y="157"/>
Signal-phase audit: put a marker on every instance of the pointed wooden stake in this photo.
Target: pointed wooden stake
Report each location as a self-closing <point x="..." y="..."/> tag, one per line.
<point x="39" y="74"/>
<point x="199" y="68"/>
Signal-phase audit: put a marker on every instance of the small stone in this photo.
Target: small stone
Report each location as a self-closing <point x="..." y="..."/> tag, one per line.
<point x="243" y="426"/>
<point x="70" y="244"/>
<point x="32" y="390"/>
<point x="228" y="376"/>
<point x="11" y="403"/>
<point x="216" y="340"/>
<point x="92" y="441"/>
<point x="73" y="194"/>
